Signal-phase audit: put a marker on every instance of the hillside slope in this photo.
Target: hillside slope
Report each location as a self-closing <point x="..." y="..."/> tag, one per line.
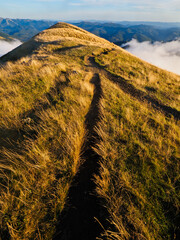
<point x="89" y="141"/>
<point x="5" y="37"/>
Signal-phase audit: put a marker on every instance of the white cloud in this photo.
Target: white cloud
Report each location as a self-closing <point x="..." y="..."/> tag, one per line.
<point x="163" y="55"/>
<point x="6" y="47"/>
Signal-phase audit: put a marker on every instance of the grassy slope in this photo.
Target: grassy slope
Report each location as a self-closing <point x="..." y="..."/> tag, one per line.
<point x="140" y="150"/>
<point x="45" y="96"/>
<point x="140" y="168"/>
<point x="157" y="83"/>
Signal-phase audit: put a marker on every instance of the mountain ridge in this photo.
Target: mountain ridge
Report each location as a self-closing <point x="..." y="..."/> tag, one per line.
<point x="89" y="140"/>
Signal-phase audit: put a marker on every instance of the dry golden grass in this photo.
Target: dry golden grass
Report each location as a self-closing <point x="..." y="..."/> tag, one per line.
<point x="139" y="169"/>
<point x="66" y="32"/>
<point x="154" y="81"/>
<point x="36" y="169"/>
<point x="44" y="98"/>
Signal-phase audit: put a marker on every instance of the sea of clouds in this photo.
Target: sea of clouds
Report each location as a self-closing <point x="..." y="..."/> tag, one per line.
<point x="164" y="55"/>
<point x="6" y="47"/>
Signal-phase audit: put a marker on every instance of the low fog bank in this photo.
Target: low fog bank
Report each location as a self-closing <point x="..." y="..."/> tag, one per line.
<point x="163" y="55"/>
<point x="6" y="47"/>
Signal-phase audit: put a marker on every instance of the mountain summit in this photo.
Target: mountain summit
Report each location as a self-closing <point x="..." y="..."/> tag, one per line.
<point x="89" y="141"/>
<point x="55" y="34"/>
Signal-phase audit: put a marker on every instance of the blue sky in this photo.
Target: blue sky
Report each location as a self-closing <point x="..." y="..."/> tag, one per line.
<point x="115" y="10"/>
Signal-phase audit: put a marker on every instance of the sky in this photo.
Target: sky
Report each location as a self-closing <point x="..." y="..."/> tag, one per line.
<point x="109" y="10"/>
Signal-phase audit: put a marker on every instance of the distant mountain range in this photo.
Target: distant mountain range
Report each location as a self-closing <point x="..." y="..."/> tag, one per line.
<point x="119" y="33"/>
<point x="23" y="29"/>
<point x="164" y="25"/>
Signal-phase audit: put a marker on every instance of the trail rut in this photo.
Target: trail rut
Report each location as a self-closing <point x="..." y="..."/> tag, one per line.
<point x="133" y="91"/>
<point x="78" y="220"/>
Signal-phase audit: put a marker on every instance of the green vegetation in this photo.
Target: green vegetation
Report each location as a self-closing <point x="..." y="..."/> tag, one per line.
<point x="46" y="94"/>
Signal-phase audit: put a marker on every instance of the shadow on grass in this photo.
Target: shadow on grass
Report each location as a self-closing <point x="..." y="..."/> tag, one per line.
<point x="11" y="138"/>
<point x="136" y="93"/>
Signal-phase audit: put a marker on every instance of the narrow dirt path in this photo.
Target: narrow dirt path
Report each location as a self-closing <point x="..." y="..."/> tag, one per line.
<point x="79" y="218"/>
<point x="133" y="91"/>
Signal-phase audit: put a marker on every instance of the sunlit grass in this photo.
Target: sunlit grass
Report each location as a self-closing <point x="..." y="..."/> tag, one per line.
<point x="156" y="82"/>
<point x="44" y="99"/>
<point x="36" y="171"/>
<point x="139" y="169"/>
